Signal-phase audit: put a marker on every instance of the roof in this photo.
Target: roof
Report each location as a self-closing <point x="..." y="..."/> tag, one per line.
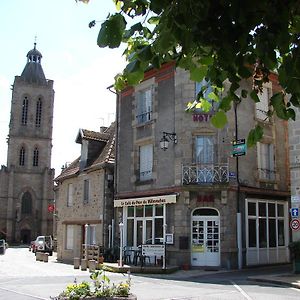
<point x="85" y="134"/>
<point x="105" y="157"/>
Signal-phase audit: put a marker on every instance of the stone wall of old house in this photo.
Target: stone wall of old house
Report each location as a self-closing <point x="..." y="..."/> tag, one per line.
<point x="294" y="140"/>
<point x="80" y="213"/>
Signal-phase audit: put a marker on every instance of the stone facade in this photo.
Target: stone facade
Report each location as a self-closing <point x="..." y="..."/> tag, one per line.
<point x="204" y="181"/>
<point x="83" y="214"/>
<point x="26" y="183"/>
<point x="294" y="139"/>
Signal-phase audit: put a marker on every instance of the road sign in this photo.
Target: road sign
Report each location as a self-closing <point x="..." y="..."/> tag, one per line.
<point x="295" y="224"/>
<point x="294" y="212"/>
<point x="239" y="147"/>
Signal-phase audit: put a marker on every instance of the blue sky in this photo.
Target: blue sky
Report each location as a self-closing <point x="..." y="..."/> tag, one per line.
<point x="80" y="69"/>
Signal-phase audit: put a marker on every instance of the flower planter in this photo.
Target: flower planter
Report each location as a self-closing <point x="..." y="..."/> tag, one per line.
<point x="130" y="297"/>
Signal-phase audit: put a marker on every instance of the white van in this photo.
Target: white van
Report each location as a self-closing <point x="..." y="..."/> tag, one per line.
<point x="44" y="243"/>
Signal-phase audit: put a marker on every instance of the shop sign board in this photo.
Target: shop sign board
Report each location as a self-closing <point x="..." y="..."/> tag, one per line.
<point x="155" y="200"/>
<point x="153" y="250"/>
<point x="295" y="224"/>
<point x="239" y="147"/>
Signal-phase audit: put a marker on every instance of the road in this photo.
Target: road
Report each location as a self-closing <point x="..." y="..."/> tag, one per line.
<point x="23" y="278"/>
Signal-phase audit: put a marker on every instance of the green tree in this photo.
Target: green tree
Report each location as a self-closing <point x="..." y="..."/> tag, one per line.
<point x="215" y="40"/>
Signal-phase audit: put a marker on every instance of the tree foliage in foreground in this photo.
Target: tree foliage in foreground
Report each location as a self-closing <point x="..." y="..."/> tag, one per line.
<point x="215" y="40"/>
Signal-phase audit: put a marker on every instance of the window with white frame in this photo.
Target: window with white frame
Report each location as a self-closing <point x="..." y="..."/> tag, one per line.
<point x="262" y="107"/>
<point x="86" y="190"/>
<point x="266" y="223"/>
<point x="144" y="225"/>
<point x="70" y="195"/>
<point x="144" y="105"/>
<point x="91" y="235"/>
<point x="69" y="237"/>
<point x="204" y="149"/>
<point x="266" y="162"/>
<point x="146" y="162"/>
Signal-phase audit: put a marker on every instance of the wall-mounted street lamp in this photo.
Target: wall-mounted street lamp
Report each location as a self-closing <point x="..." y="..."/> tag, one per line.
<point x="167" y="137"/>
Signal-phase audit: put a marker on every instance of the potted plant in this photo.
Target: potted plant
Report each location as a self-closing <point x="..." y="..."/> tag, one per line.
<point x="99" y="289"/>
<point x="295" y="254"/>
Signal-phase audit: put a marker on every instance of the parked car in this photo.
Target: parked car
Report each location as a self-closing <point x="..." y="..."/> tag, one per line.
<point x="43" y="243"/>
<point x="3" y="246"/>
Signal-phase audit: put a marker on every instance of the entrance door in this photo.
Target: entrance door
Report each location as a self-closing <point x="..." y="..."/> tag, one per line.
<point x="143" y="230"/>
<point x="205" y="238"/>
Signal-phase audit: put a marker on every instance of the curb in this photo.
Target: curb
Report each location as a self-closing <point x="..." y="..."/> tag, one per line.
<point x="274" y="281"/>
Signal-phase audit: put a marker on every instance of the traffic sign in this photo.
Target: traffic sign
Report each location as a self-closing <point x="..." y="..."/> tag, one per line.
<point x="295" y="224"/>
<point x="294" y="212"/>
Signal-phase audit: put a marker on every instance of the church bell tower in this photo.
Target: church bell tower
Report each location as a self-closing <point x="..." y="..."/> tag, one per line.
<point x="27" y="181"/>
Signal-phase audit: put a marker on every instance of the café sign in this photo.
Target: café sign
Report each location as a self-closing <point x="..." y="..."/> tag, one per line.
<point x="155" y="200"/>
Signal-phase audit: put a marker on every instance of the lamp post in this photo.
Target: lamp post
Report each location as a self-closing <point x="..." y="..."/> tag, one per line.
<point x="164" y="257"/>
<point x="238" y="213"/>
<point x="121" y="225"/>
<point x="109" y="236"/>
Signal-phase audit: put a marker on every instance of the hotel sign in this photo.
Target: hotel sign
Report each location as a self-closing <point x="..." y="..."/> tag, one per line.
<point x="155" y="200"/>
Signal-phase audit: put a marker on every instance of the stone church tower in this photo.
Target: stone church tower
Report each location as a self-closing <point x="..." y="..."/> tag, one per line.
<point x="26" y="183"/>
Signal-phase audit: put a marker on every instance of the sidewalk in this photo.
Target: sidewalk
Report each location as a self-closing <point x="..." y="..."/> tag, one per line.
<point x="288" y="279"/>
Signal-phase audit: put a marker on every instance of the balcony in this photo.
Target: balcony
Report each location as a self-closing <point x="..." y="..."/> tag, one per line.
<point x="205" y="173"/>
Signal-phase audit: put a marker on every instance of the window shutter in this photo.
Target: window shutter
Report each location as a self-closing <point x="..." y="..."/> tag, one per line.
<point x="146" y="162"/>
<point x="70" y="237"/>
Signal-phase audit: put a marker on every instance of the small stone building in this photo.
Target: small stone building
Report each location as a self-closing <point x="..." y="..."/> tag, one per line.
<point x="177" y="180"/>
<point x="26" y="183"/>
<point x="84" y="195"/>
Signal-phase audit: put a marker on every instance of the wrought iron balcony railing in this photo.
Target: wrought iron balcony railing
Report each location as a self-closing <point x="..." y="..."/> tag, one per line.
<point x="205" y="173"/>
<point x="266" y="174"/>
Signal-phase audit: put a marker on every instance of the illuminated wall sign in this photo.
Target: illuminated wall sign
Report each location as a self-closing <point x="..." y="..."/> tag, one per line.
<point x="201" y="117"/>
<point x="155" y="200"/>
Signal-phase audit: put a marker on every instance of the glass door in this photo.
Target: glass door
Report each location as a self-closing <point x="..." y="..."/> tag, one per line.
<point x="205" y="241"/>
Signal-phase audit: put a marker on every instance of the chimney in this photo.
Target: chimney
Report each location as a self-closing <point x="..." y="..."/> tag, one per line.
<point x="102" y="129"/>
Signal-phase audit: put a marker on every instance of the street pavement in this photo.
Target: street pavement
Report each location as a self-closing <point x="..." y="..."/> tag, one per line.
<point x="24" y="278"/>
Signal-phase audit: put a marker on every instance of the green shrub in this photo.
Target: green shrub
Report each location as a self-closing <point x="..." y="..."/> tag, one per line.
<point x="100" y="287"/>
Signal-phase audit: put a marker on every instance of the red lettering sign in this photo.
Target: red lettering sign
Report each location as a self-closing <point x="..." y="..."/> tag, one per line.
<point x="205" y="198"/>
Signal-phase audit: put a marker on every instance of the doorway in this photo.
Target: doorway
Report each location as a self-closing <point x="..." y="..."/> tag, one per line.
<point x="25" y="236"/>
<point x="205" y="230"/>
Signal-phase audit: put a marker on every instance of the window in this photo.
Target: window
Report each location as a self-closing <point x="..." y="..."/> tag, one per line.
<point x="206" y="89"/>
<point x="91" y="235"/>
<point x="86" y="191"/>
<point x="266" y="227"/>
<point x="204" y="149"/>
<point x="35" y="161"/>
<point x="144" y="225"/>
<point x="146" y="162"/>
<point x="26" y="207"/>
<point x="69" y="237"/>
<point x="70" y="195"/>
<point x="262" y="107"/>
<point x="266" y="163"/>
<point x="25" y="111"/>
<point x="38" y="115"/>
<point x="144" y="106"/>
<point x="22" y="156"/>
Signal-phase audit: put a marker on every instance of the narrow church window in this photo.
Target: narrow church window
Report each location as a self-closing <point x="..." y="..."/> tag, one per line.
<point x="26" y="207"/>
<point x="35" y="157"/>
<point x="38" y="115"/>
<point x="25" y="111"/>
<point x="22" y="157"/>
